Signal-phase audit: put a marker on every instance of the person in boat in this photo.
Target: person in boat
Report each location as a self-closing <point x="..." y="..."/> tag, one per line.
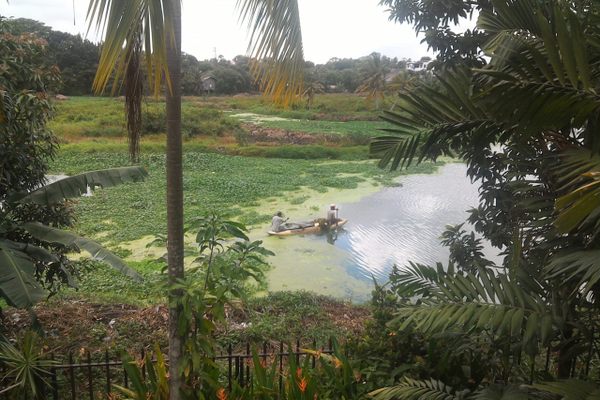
<point x="277" y="223"/>
<point x="332" y="215"/>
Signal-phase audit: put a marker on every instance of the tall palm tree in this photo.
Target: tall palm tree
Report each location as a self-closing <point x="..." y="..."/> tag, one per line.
<point x="374" y="74"/>
<point x="275" y="40"/>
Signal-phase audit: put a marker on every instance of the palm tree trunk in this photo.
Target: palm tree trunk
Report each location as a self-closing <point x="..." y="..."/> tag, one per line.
<point x="174" y="197"/>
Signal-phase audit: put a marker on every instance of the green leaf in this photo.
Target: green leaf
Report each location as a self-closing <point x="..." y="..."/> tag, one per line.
<point x="18" y="285"/>
<point x="276" y="40"/>
<point x="99" y="253"/>
<point x="572" y="389"/>
<point x="75" y="186"/>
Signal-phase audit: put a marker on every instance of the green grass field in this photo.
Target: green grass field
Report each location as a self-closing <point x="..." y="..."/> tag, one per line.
<point x="353" y="128"/>
<point x="89" y="118"/>
<point x="82" y="118"/>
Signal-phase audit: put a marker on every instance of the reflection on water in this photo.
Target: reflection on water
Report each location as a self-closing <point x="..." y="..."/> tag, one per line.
<point x="404" y="224"/>
<point x="393" y="226"/>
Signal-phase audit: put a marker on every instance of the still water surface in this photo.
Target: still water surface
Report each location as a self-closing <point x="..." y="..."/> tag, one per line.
<point x="392" y="226"/>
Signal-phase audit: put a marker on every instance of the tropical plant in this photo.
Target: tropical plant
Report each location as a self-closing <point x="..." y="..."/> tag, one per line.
<point x="25" y="367"/>
<point x="25" y="108"/>
<point x="32" y="247"/>
<point x="526" y="124"/>
<point x="148" y="377"/>
<point x="228" y="259"/>
<point x="403" y="81"/>
<point x="311" y="90"/>
<point x="205" y="292"/>
<point x="31" y="253"/>
<point x="374" y="75"/>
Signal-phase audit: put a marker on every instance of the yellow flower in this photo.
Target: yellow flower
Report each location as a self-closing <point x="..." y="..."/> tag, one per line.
<point x="337" y="362"/>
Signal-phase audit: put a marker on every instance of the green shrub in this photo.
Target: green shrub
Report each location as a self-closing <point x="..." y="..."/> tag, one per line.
<point x="308" y="152"/>
<point x="195" y="120"/>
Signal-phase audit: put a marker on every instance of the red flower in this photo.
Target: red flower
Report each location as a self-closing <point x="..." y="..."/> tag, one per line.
<point x="221" y="394"/>
<point x="302" y="385"/>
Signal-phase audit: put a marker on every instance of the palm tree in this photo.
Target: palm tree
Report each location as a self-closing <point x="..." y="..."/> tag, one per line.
<point x="311" y="90"/>
<point x="276" y="40"/>
<point x="374" y="74"/>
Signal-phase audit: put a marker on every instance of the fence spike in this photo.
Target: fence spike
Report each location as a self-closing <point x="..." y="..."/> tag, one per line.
<point x="90" y="379"/>
<point x="229" y="365"/>
<point x="280" y="368"/>
<point x="54" y="379"/>
<point x="106" y="359"/>
<point x="72" y="377"/>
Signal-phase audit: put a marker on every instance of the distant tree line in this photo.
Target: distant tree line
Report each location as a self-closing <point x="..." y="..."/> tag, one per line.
<point x="77" y="59"/>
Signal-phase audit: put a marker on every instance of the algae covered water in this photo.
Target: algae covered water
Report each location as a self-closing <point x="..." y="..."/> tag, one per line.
<point x="391" y="227"/>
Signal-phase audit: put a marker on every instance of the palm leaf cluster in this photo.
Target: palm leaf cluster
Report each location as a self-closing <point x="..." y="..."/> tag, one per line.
<point x="132" y="30"/>
<point x="374" y="78"/>
<point x="121" y="24"/>
<point x="276" y="46"/>
<point x="527" y="126"/>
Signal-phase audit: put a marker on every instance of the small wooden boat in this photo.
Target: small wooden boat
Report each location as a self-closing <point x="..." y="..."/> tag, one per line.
<point x="315" y="228"/>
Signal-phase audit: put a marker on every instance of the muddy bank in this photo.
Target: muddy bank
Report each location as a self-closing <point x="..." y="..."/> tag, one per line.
<point x="76" y="326"/>
<point x="260" y="135"/>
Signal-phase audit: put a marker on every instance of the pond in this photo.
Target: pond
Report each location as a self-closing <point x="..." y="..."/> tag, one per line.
<point x="392" y="226"/>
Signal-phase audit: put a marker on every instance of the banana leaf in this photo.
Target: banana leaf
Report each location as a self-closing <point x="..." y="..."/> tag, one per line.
<point x="18" y="285"/>
<point x="57" y="236"/>
<point x="77" y="185"/>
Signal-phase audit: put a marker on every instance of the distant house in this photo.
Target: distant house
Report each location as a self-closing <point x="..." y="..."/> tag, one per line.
<point x="209" y="83"/>
<point x="417" y="66"/>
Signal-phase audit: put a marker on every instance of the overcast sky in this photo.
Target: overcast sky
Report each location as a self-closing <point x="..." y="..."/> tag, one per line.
<point x="331" y="28"/>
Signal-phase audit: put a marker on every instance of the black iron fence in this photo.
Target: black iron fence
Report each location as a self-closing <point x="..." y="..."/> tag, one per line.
<point x="92" y="376"/>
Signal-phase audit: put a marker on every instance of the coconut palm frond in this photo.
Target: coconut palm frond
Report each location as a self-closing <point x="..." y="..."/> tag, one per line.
<point x="276" y="43"/>
<point x="549" y="35"/>
<point x="416" y="280"/>
<point x="121" y="24"/>
<point x="431" y="118"/>
<point x="581" y="266"/>
<point x="486" y="301"/>
<point x="579" y="173"/>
